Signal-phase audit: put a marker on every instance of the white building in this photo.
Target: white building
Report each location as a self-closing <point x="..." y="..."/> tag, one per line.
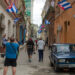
<point x="32" y="3"/>
<point x="7" y="25"/>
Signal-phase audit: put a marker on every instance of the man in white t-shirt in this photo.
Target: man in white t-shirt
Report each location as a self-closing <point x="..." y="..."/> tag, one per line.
<point x="41" y="47"/>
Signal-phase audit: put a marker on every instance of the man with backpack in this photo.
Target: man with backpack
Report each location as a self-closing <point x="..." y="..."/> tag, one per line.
<point x="30" y="48"/>
<point x="11" y="56"/>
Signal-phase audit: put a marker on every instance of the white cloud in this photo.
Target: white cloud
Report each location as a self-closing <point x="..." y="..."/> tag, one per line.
<point x="37" y="10"/>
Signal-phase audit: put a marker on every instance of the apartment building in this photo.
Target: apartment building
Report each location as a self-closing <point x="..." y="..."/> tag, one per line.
<point x="49" y="14"/>
<point x="7" y="25"/>
<point x="64" y="27"/>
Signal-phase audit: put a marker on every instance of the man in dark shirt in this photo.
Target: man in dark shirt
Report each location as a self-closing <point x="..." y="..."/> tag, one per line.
<point x="30" y="48"/>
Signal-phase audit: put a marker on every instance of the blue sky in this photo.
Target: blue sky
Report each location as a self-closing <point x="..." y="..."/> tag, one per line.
<point x="37" y="10"/>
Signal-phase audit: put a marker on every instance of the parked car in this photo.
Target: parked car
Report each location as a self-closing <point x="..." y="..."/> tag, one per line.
<point x="62" y="56"/>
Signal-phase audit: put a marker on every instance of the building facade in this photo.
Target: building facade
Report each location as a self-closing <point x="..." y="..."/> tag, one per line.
<point x="49" y="14"/>
<point x="61" y="29"/>
<point x="65" y="24"/>
<point x="7" y="25"/>
<point x="20" y="25"/>
<point x="28" y="18"/>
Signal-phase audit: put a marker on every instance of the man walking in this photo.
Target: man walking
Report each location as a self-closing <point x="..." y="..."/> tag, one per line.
<point x="30" y="48"/>
<point x="11" y="55"/>
<point x="41" y="47"/>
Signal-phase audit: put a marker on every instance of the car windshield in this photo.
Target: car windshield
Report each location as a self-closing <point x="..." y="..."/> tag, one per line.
<point x="63" y="48"/>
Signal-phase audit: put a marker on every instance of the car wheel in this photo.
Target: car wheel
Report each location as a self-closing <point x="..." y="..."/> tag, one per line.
<point x="51" y="64"/>
<point x="71" y="69"/>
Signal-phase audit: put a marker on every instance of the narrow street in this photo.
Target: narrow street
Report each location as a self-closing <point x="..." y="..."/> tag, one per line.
<point x="35" y="67"/>
<point x="38" y="22"/>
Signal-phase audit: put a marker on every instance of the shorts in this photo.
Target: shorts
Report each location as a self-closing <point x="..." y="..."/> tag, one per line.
<point x="30" y="52"/>
<point x="10" y="62"/>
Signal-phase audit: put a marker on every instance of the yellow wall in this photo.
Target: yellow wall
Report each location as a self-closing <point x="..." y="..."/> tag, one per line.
<point x="69" y="36"/>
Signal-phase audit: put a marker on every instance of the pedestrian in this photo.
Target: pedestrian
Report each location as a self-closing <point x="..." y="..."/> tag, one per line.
<point x="46" y="42"/>
<point x="11" y="56"/>
<point x="41" y="48"/>
<point x="22" y="41"/>
<point x="30" y="49"/>
<point x="4" y="41"/>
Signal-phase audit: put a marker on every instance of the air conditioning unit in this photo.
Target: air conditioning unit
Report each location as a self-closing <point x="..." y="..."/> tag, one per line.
<point x="59" y="28"/>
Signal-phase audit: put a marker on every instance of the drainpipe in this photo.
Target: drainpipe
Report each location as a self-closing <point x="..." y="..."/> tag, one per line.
<point x="58" y="37"/>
